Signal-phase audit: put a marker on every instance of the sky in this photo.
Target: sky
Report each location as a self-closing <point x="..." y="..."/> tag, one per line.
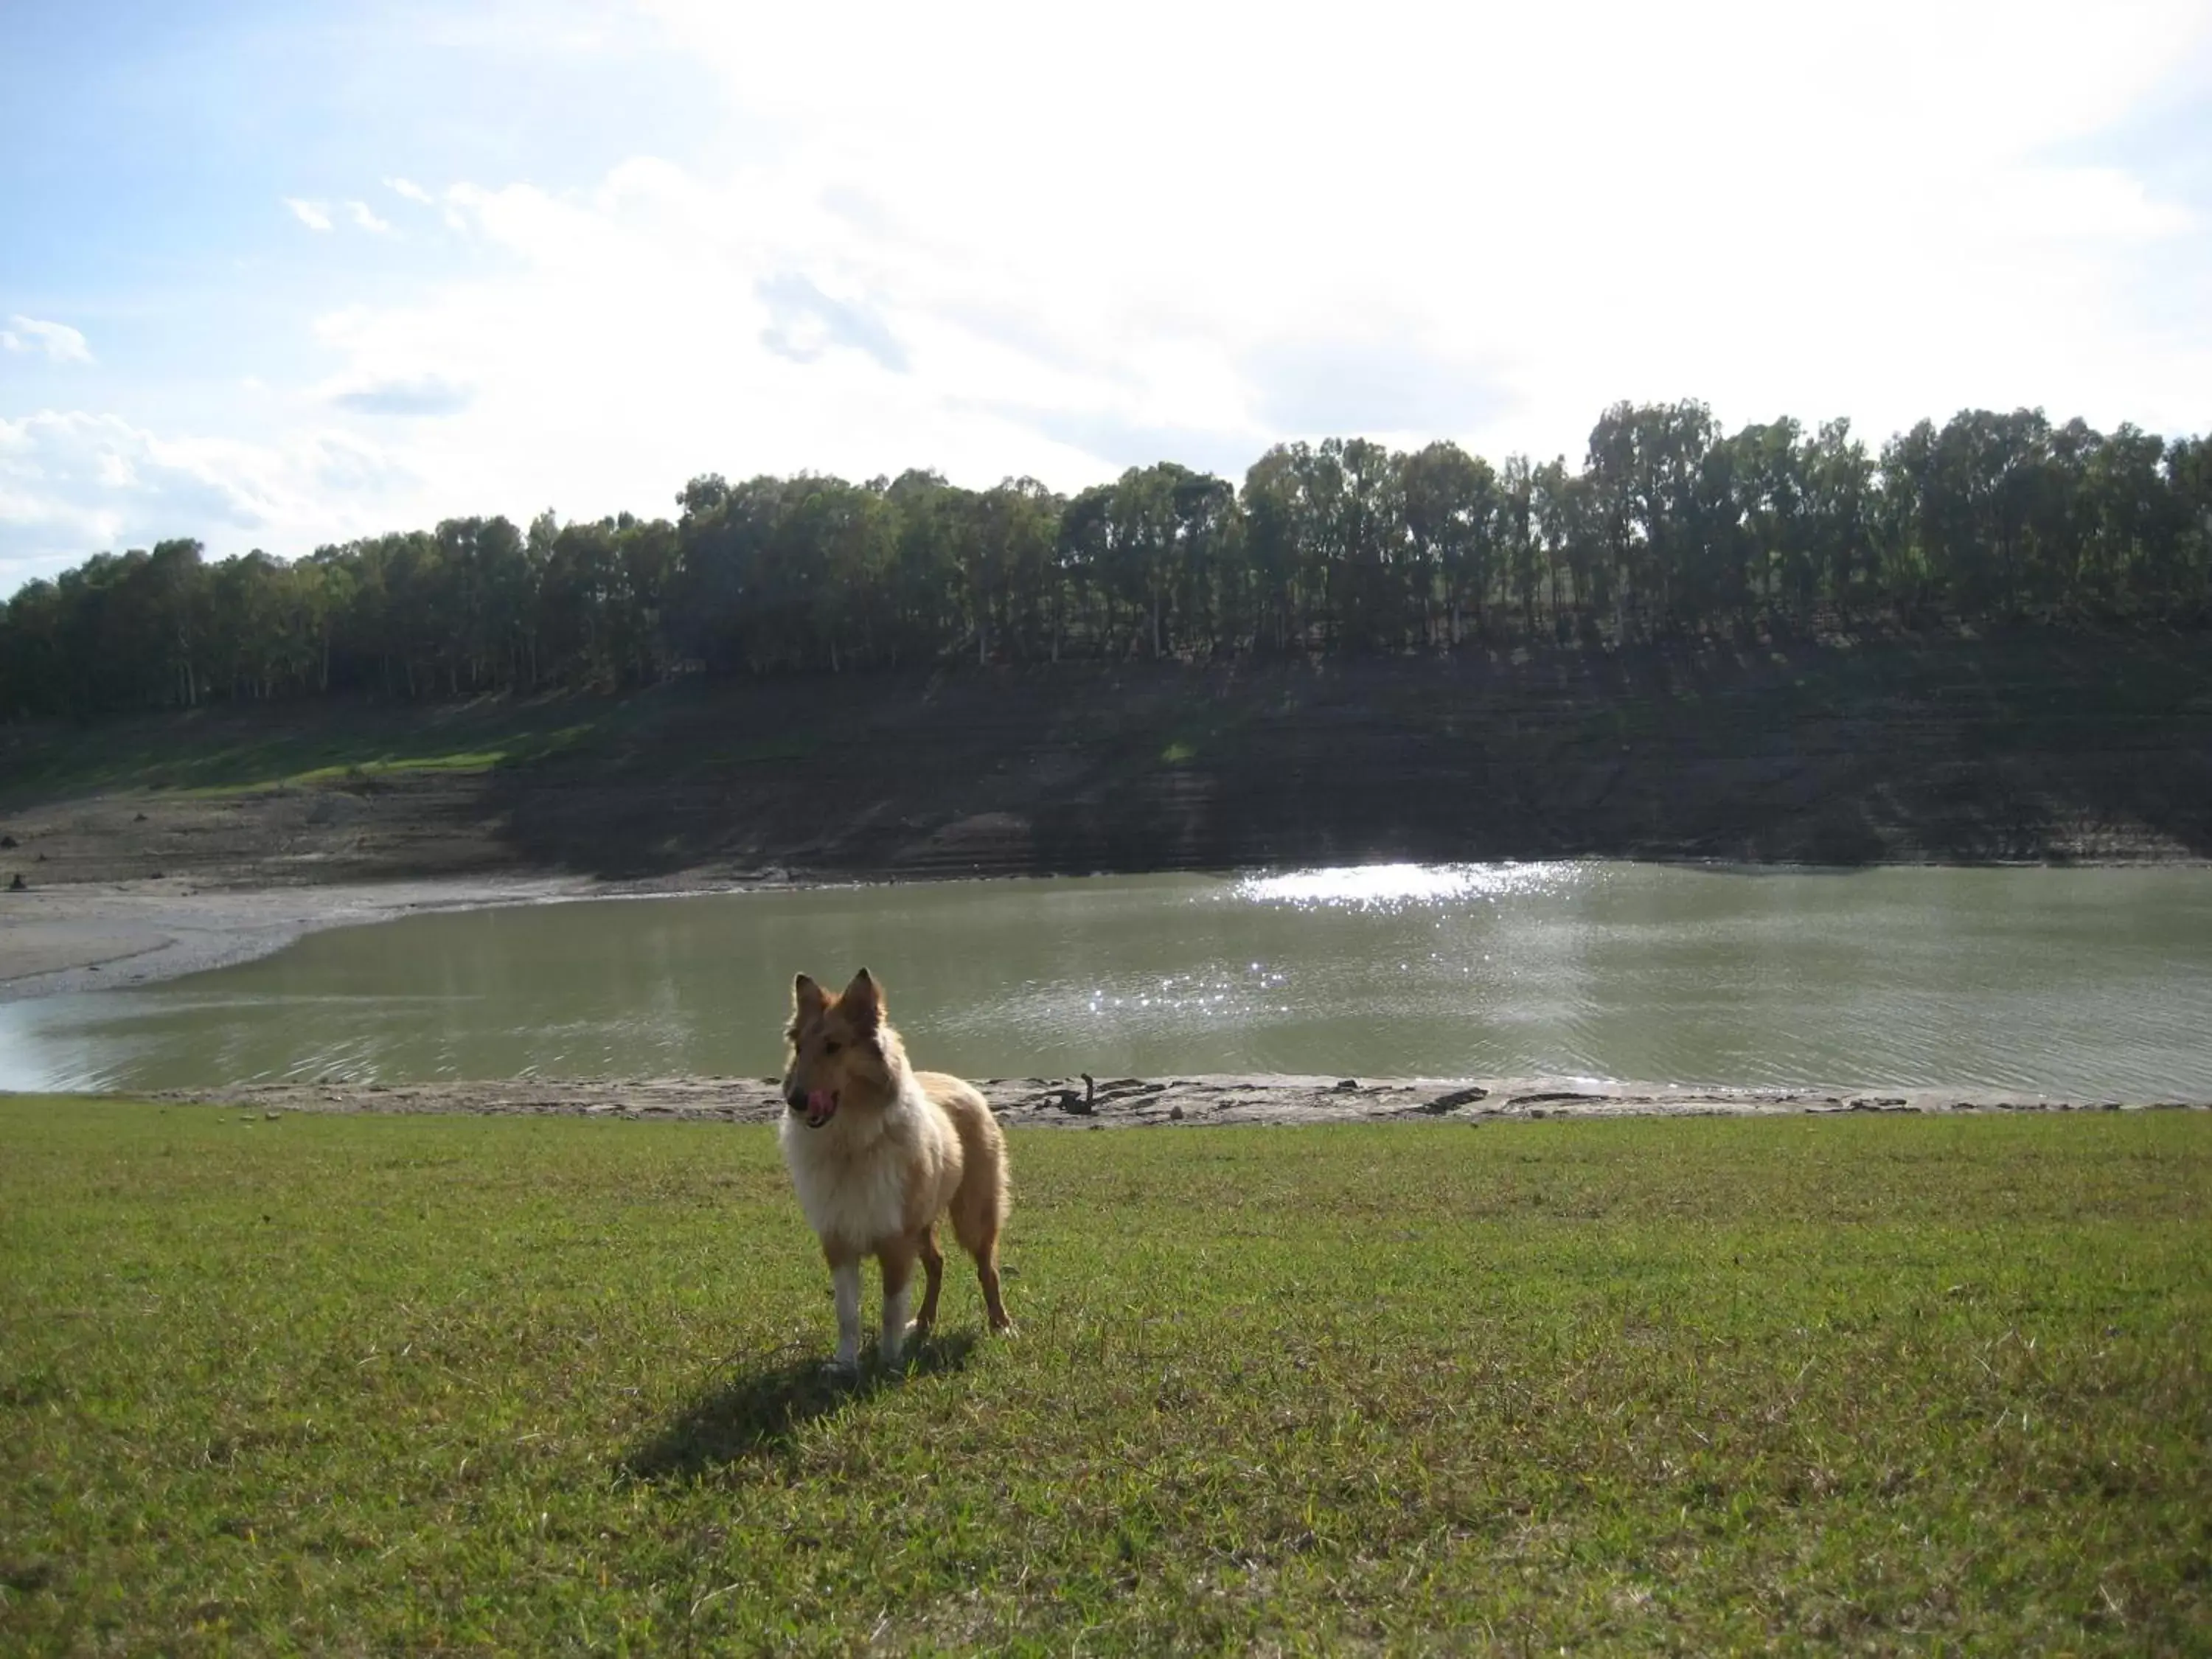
<point x="277" y="275"/>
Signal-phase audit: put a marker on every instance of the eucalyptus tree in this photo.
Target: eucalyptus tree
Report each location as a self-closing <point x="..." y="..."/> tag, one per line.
<point x="1840" y="495"/>
<point x="1450" y="501"/>
<point x="1277" y="536"/>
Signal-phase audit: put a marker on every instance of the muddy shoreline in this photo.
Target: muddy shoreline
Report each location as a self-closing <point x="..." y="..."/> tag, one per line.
<point x="92" y="936"/>
<point x="1187" y="1101"/>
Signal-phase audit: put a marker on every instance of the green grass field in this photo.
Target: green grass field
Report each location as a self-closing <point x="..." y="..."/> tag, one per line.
<point x="413" y="1384"/>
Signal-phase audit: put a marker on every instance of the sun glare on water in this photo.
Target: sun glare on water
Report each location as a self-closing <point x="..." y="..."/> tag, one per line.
<point x="1393" y="886"/>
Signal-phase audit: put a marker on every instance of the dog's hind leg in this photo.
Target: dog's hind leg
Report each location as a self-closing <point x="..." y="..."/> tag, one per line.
<point x="981" y="1203"/>
<point x="932" y="1271"/>
<point x="897" y="1260"/>
<point x="979" y="1236"/>
<point x="987" y="1269"/>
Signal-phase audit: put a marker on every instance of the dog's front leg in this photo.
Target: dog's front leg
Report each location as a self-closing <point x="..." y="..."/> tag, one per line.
<point x="897" y="1260"/>
<point x="845" y="1278"/>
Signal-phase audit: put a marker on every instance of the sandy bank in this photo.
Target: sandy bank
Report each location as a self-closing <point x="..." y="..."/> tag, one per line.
<point x="94" y="935"/>
<point x="1140" y="1103"/>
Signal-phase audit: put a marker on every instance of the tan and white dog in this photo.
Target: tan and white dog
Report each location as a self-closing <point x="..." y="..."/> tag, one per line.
<point x="880" y="1151"/>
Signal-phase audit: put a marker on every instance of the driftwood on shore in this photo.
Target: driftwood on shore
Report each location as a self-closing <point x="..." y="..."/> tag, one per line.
<point x="1136" y="1102"/>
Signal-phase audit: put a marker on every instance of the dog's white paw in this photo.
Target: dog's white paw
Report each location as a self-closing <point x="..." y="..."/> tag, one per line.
<point x="896" y="1344"/>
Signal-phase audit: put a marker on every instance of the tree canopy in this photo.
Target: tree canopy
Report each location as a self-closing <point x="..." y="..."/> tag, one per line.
<point x="1669" y="525"/>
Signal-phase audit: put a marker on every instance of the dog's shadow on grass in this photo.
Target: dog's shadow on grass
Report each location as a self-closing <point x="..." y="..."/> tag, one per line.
<point x="758" y="1411"/>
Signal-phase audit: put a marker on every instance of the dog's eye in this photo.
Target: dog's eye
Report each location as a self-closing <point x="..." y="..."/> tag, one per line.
<point x="830" y="1045"/>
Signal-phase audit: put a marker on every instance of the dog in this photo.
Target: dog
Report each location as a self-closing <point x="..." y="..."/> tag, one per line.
<point x="878" y="1152"/>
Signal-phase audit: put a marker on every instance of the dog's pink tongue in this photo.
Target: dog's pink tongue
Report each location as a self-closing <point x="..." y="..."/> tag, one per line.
<point x="820" y="1103"/>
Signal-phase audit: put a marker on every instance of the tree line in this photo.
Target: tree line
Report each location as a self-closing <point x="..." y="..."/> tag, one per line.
<point x="1670" y="526"/>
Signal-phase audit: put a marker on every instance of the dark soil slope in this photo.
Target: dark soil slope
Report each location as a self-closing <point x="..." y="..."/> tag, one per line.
<point x="2038" y="747"/>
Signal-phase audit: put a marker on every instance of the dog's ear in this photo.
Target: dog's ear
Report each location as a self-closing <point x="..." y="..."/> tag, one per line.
<point x="805" y="997"/>
<point x="863" y="1000"/>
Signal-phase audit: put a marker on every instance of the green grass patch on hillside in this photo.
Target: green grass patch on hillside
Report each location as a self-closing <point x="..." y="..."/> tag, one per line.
<point x="409" y="1385"/>
<point x="237" y="751"/>
<point x="361" y="772"/>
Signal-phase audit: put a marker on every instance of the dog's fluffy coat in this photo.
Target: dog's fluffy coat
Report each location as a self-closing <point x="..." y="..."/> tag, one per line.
<point x="880" y="1151"/>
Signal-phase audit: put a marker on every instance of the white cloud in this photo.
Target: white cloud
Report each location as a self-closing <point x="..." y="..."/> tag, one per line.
<point x="58" y="341"/>
<point x="319" y="215"/>
<point x="74" y="482"/>
<point x="421" y="395"/>
<point x="409" y="189"/>
<point x="1779" y="209"/>
<point x="663" y="326"/>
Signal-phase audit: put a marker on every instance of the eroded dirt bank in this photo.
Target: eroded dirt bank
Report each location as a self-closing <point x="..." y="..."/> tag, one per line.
<point x="2045" y="747"/>
<point x="1142" y="1103"/>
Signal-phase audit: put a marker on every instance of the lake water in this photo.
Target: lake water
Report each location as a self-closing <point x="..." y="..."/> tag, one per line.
<point x="2094" y="982"/>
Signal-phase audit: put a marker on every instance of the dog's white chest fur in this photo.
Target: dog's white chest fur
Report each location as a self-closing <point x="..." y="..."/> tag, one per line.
<point x="856" y="1177"/>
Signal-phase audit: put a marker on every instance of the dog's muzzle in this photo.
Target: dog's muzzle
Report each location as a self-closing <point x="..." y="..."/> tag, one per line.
<point x="818" y="1107"/>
